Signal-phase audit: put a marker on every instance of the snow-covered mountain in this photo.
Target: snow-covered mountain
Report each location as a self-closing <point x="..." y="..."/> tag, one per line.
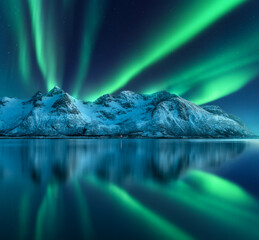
<point x="128" y="114"/>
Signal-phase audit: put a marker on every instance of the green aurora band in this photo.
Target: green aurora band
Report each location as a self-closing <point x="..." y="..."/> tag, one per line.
<point x="17" y="19"/>
<point x="222" y="86"/>
<point x="46" y="47"/>
<point x="234" y="60"/>
<point x="213" y="83"/>
<point x="92" y="22"/>
<point x="34" y="26"/>
<point x="207" y="68"/>
<point x="200" y="16"/>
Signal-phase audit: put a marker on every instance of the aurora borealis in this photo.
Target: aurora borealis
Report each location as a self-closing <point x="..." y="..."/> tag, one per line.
<point x="205" y="51"/>
<point x="178" y="32"/>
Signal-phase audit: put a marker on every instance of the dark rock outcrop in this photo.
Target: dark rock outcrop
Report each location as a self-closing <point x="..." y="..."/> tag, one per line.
<point x="158" y="115"/>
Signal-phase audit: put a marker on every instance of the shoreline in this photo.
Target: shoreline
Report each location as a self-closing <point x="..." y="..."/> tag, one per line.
<point x="127" y="137"/>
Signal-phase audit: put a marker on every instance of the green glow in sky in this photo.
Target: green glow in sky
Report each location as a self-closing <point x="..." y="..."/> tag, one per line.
<point x="67" y="3"/>
<point x="177" y="33"/>
<point x="45" y="42"/>
<point x="17" y="19"/>
<point x="92" y="22"/>
<point x="222" y="86"/>
<point x="219" y="64"/>
<point x="40" y="47"/>
<point x="156" y="223"/>
<point x="229" y="61"/>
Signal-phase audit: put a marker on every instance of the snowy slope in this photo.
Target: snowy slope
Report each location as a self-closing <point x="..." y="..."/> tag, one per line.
<point x="129" y="114"/>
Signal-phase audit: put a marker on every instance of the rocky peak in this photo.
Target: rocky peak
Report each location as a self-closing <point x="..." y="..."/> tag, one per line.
<point x="36" y="100"/>
<point x="38" y="95"/>
<point x="214" y="109"/>
<point x="129" y="99"/>
<point x="55" y="91"/>
<point x="128" y="94"/>
<point x="217" y="110"/>
<point x="64" y="104"/>
<point x="104" y="100"/>
<point x="161" y="96"/>
<point x="3" y="102"/>
<point x="129" y="114"/>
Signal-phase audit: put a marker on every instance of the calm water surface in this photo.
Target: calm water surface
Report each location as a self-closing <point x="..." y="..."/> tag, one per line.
<point x="129" y="189"/>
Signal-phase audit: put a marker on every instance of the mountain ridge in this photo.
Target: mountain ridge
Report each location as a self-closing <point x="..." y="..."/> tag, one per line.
<point x="130" y="114"/>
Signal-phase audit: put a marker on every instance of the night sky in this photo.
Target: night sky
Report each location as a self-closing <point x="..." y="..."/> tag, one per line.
<point x="204" y="50"/>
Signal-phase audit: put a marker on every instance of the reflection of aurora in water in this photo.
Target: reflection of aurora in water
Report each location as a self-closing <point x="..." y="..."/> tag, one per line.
<point x="105" y="189"/>
<point x="210" y="196"/>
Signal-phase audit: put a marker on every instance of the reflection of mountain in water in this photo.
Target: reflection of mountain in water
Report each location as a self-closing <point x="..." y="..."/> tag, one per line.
<point x="112" y="159"/>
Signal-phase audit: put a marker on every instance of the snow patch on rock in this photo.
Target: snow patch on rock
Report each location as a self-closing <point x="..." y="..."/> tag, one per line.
<point x="129" y="114"/>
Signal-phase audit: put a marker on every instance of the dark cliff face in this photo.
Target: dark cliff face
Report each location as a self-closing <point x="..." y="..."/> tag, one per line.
<point x="64" y="105"/>
<point x="158" y="115"/>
